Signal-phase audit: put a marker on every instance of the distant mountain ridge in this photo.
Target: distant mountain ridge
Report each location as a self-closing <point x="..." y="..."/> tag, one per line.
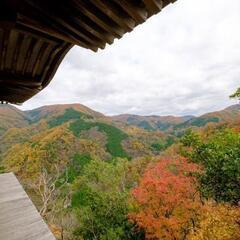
<point x="164" y="123"/>
<point x="50" y="111"/>
<point x="229" y="114"/>
<point x="11" y="116"/>
<point x="151" y="122"/>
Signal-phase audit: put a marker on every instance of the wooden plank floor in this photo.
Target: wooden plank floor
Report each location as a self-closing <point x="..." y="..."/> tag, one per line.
<point x="19" y="219"/>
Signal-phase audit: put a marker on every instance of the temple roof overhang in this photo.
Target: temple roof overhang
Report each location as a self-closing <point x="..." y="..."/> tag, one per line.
<point x="35" y="35"/>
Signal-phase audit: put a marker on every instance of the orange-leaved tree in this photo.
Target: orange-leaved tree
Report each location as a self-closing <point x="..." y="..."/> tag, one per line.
<point x="166" y="204"/>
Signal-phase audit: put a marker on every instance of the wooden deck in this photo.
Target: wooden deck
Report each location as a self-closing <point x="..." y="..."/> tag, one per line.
<point x="19" y="219"/>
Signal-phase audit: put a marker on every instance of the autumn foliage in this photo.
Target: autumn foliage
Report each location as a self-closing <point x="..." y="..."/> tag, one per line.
<point x="96" y="179"/>
<point x="166" y="203"/>
<point x="219" y="222"/>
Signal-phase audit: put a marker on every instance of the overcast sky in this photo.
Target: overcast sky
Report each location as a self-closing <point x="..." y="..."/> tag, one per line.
<point x="185" y="60"/>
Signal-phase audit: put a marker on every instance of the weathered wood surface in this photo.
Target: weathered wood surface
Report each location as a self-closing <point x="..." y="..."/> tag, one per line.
<point x="19" y="219"/>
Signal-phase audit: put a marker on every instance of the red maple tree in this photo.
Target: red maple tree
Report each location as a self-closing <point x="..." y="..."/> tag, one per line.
<point x="166" y="201"/>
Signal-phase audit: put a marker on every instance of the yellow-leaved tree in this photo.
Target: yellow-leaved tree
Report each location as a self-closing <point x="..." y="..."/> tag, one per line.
<point x="219" y="222"/>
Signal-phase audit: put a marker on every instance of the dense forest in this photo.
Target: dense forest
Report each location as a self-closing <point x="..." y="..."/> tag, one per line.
<point x="94" y="177"/>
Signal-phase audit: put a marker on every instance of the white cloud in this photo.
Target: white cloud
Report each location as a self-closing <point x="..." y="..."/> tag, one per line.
<point x="184" y="60"/>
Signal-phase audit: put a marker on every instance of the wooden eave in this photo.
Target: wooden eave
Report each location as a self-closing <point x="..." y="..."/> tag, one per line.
<point x="35" y="35"/>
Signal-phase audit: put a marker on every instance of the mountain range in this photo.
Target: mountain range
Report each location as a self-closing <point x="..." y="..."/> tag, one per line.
<point x="12" y="117"/>
<point x="164" y="123"/>
<point x="70" y="135"/>
<point x="92" y="133"/>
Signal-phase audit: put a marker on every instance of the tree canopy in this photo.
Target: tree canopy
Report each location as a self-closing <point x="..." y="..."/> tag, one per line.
<point x="166" y="202"/>
<point x="236" y="94"/>
<point x="219" y="154"/>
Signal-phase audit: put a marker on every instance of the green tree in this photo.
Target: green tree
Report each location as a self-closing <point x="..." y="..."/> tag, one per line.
<point x="219" y="154"/>
<point x="115" y="136"/>
<point x="101" y="201"/>
<point x="236" y="94"/>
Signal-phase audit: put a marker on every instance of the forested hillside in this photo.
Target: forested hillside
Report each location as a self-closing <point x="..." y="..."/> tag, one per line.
<point x="11" y="117"/>
<point x="96" y="177"/>
<point x="173" y="124"/>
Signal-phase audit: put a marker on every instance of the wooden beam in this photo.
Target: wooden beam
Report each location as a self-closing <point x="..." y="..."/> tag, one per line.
<point x="62" y="26"/>
<point x="32" y="83"/>
<point x="15" y="79"/>
<point x="39" y="59"/>
<point x="167" y="2"/>
<point x="28" y="55"/>
<point x="5" y="38"/>
<point x="10" y="56"/>
<point x="79" y="20"/>
<point x="114" y="30"/>
<point x="111" y="10"/>
<point x="39" y="29"/>
<point x="53" y="63"/>
<point x="153" y="6"/>
<point x="24" y="91"/>
<point x="16" y="56"/>
<point x="138" y="13"/>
